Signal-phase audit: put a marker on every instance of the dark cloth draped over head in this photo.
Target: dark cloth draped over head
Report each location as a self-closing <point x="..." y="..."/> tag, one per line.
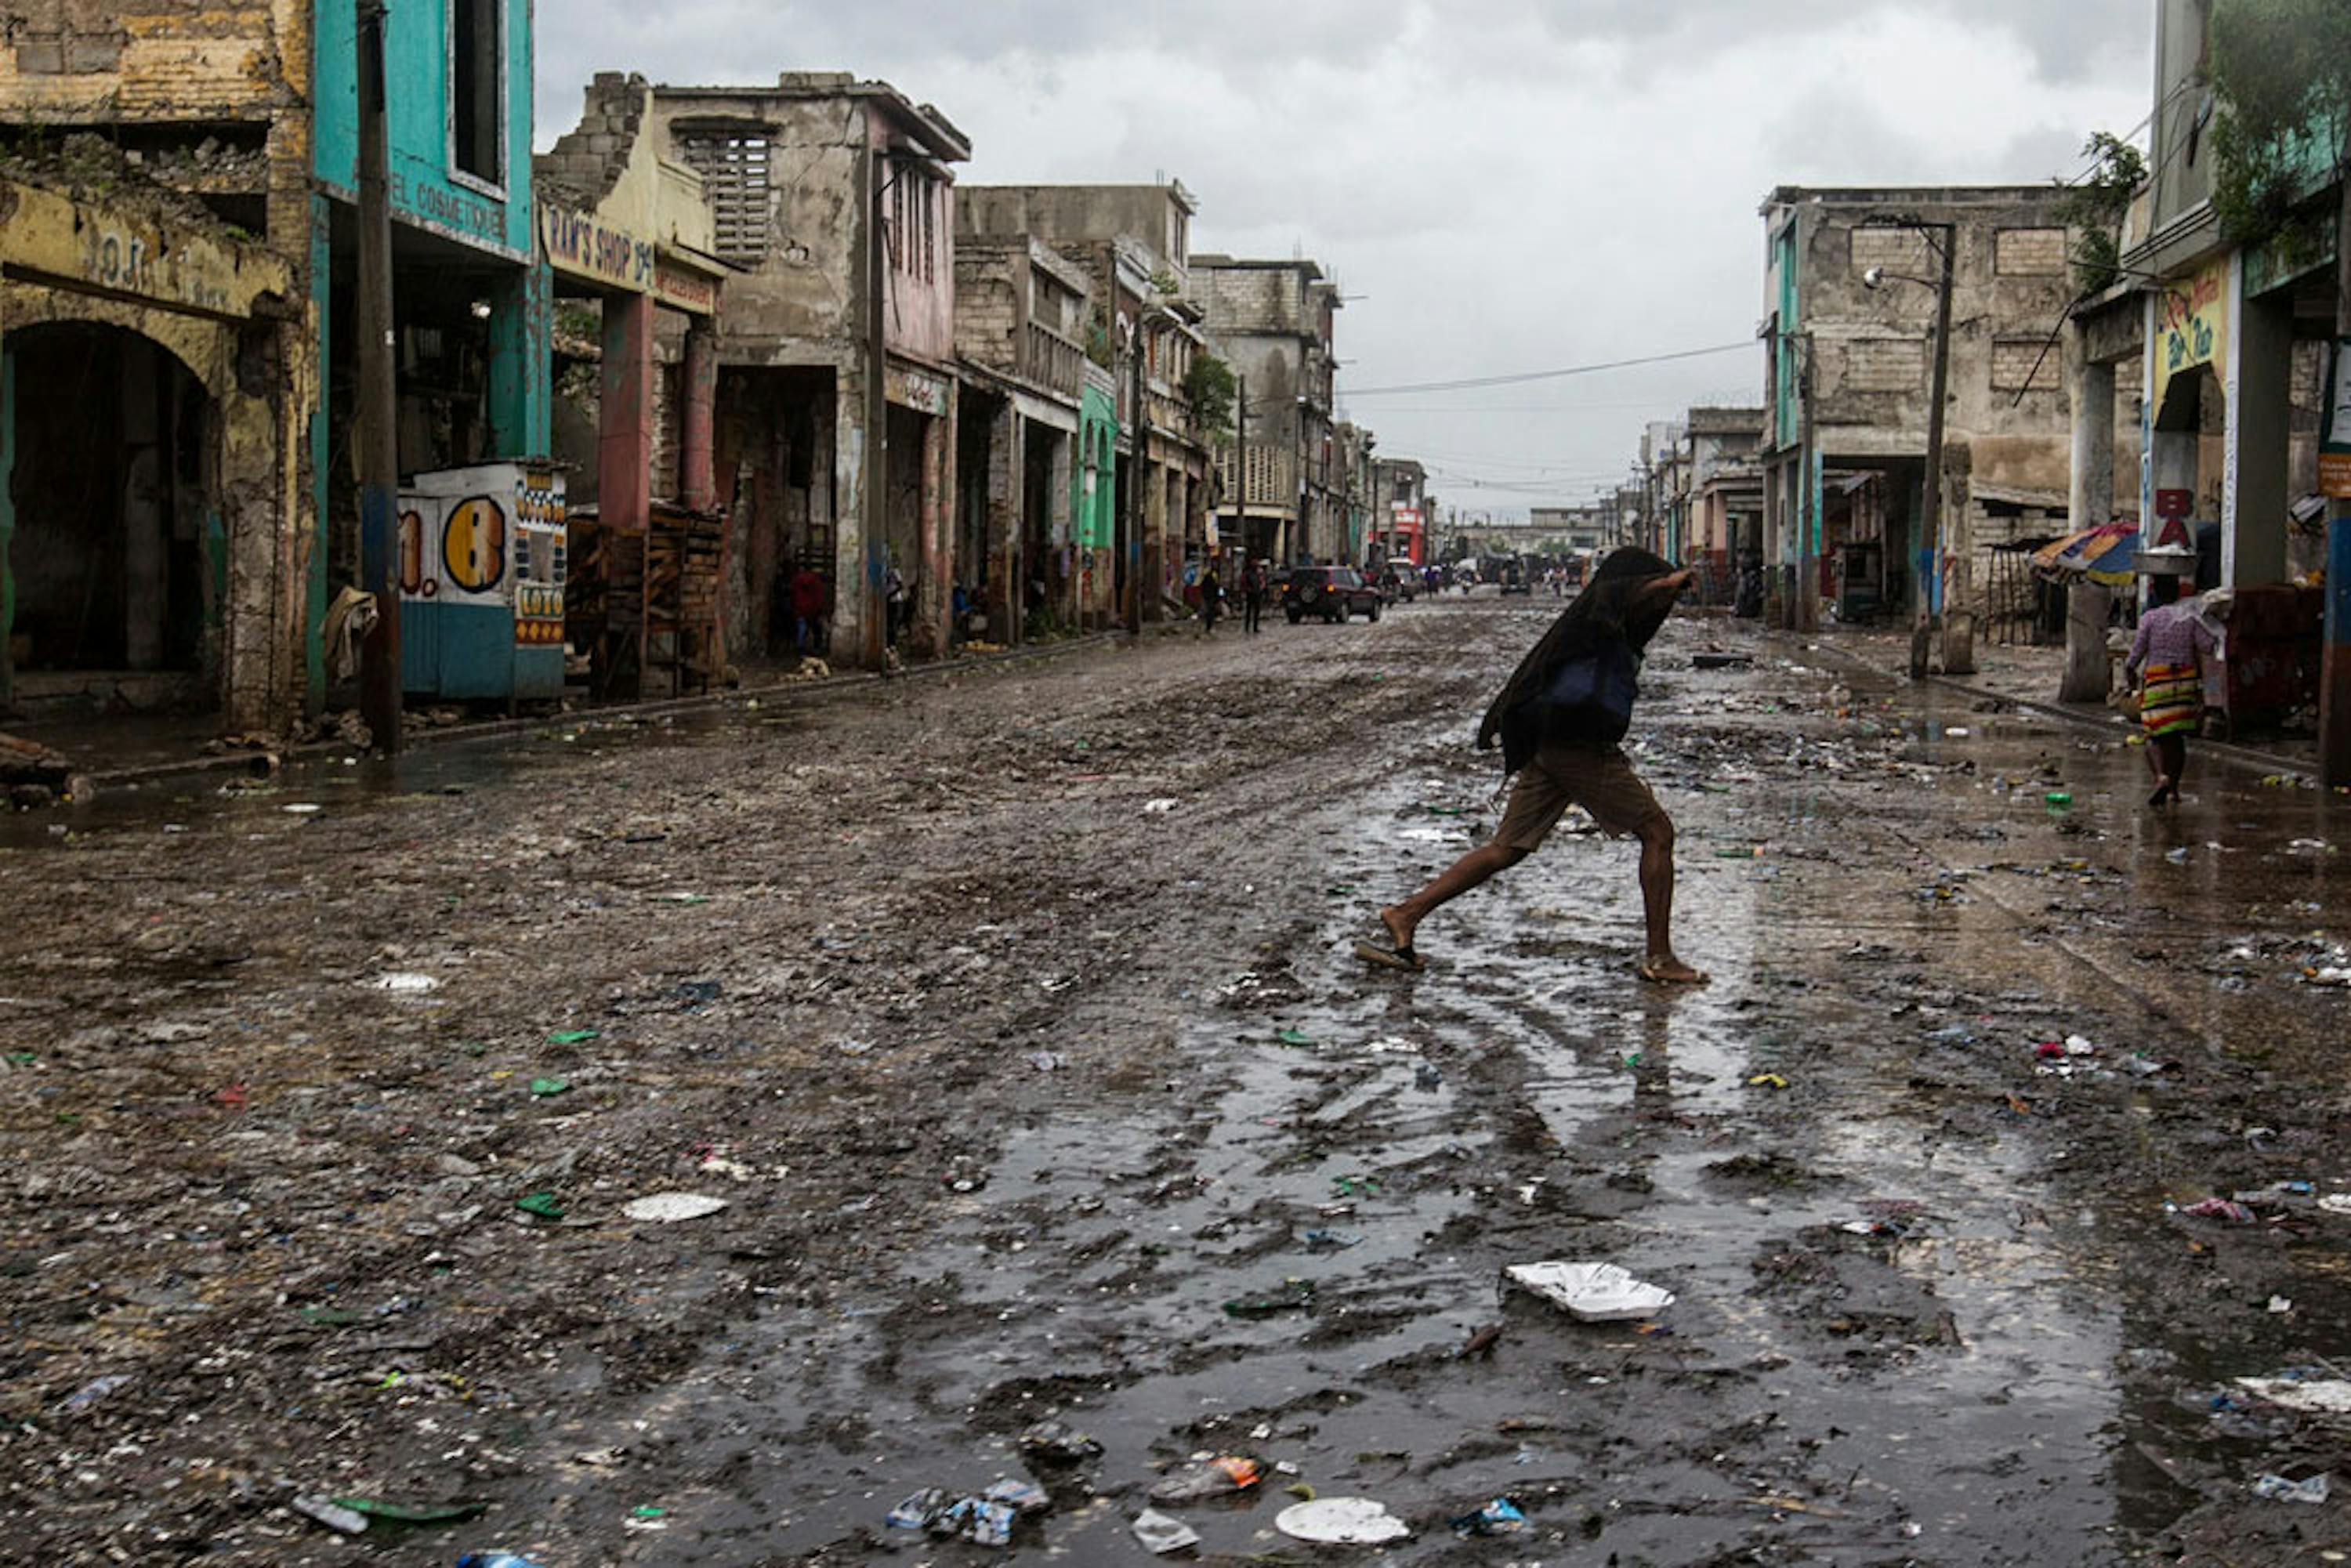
<point x="1609" y="607"/>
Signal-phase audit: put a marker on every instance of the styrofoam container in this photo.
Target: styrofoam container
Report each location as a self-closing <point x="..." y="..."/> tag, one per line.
<point x="1596" y="1292"/>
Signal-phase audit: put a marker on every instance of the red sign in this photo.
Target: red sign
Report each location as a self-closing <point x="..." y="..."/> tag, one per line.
<point x="2174" y="503"/>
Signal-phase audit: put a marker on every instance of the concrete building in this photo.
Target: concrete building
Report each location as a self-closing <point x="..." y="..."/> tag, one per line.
<point x="836" y="380"/>
<point x="251" y="106"/>
<point x="1581" y="530"/>
<point x="1665" y="481"/>
<point x="1134" y="243"/>
<point x="1725" y="512"/>
<point x="1021" y="316"/>
<point x="1403" y="509"/>
<point x="1271" y="321"/>
<point x="1848" y="370"/>
<point x="2225" y="346"/>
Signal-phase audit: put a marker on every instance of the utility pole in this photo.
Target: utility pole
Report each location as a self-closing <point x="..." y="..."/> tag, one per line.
<point x="1135" y="500"/>
<point x="376" y="455"/>
<point x="1931" y="529"/>
<point x="1806" y="610"/>
<point x="1240" y="465"/>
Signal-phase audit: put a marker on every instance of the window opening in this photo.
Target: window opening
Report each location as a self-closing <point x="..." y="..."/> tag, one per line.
<point x="476" y="89"/>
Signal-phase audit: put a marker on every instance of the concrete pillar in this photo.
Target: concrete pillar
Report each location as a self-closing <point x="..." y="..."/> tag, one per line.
<point x="1151" y="582"/>
<point x="1007" y="479"/>
<point x="522" y="318"/>
<point x="1060" y="506"/>
<point x="2089" y="606"/>
<point x="857" y="549"/>
<point x="2260" y="390"/>
<point x="934" y="535"/>
<point x="697" y="479"/>
<point x="2090" y="496"/>
<point x="625" y="434"/>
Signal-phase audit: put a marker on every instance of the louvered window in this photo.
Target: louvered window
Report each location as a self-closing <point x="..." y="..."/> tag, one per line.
<point x="734" y="173"/>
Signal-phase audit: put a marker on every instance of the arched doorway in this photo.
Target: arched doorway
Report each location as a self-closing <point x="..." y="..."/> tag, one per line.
<point x="116" y="555"/>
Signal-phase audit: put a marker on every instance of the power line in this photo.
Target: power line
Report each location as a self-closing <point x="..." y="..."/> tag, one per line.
<point x="1468" y="382"/>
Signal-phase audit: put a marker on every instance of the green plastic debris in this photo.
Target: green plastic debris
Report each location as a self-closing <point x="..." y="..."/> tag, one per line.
<point x="646" y="1510"/>
<point x="413" y="1513"/>
<point x="24" y="1058"/>
<point x="542" y="1088"/>
<point x="546" y="1205"/>
<point x="1355" y="1185"/>
<point x="1295" y="1296"/>
<point x="1295" y="1037"/>
<point x="573" y="1036"/>
<point x="2057" y="799"/>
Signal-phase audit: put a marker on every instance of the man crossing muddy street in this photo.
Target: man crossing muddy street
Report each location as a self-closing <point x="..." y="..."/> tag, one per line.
<point x="1559" y="719"/>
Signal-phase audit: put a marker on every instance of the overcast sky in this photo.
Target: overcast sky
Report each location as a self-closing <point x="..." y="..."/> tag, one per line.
<point x="1504" y="186"/>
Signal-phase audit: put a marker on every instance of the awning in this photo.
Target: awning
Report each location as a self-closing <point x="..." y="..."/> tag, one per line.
<point x="2077" y="551"/>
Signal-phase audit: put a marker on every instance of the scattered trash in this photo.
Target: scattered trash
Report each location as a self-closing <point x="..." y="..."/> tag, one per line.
<point x="333" y="1515"/>
<point x="1500" y="1517"/>
<point x="916" y="1512"/>
<point x="411" y="1513"/>
<point x="1355" y="1185"/>
<point x="495" y="1560"/>
<point x="301" y="809"/>
<point x="404" y="984"/>
<point x="2312" y="1397"/>
<point x="1340" y="1521"/>
<point x="1956" y="731"/>
<point x="573" y="1036"/>
<point x="1161" y="807"/>
<point x="1047" y="1060"/>
<point x="2281" y="1305"/>
<point x="1295" y="1037"/>
<point x="547" y="1087"/>
<point x="2336" y="1203"/>
<point x="1295" y="1296"/>
<point x="1428" y="1076"/>
<point x="1331" y="1240"/>
<point x="1722" y="661"/>
<point x="1161" y="1534"/>
<point x="2221" y="1209"/>
<point x="1595" y="1292"/>
<point x="96" y="1390"/>
<point x="985" y="1519"/>
<point x="1767" y="1081"/>
<point x="544" y="1205"/>
<point x="1220" y="1477"/>
<point x="2059" y="802"/>
<point x="2277" y="1488"/>
<point x="1481" y="1341"/>
<point x="1058" y="1443"/>
<point x="669" y="1207"/>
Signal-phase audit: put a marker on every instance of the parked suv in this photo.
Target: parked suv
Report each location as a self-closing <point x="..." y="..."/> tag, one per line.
<point x="1334" y="593"/>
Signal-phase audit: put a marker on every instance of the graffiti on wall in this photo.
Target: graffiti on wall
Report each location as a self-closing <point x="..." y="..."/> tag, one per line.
<point x="2191" y="324"/>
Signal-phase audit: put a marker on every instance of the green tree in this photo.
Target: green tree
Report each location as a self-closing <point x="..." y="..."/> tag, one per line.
<point x="1210" y="386"/>
<point x="2281" y="72"/>
<point x="2093" y="207"/>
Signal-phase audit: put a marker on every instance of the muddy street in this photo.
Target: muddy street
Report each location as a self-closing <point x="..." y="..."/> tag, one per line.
<point x="1013" y="1016"/>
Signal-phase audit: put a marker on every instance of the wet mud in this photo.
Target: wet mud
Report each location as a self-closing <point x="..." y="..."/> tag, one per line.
<point x="1014" y="1019"/>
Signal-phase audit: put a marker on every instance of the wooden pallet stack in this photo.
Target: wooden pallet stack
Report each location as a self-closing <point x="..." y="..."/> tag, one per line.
<point x="650" y="600"/>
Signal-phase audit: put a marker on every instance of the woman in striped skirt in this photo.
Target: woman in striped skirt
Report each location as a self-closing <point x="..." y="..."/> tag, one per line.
<point x="2167" y="664"/>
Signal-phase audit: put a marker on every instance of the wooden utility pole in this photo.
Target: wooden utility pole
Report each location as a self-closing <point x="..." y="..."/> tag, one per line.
<point x="1241" y="463"/>
<point x="1931" y="520"/>
<point x="376" y="450"/>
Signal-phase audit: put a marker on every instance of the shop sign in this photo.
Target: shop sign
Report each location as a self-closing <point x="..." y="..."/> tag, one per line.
<point x="2334" y="434"/>
<point x="2191" y="324"/>
<point x="688" y="291"/>
<point x="912" y="389"/>
<point x="585" y="246"/>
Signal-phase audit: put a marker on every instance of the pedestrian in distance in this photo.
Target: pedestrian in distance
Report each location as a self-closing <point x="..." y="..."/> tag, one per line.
<point x="2167" y="666"/>
<point x="1559" y="719"/>
<point x="1252" y="596"/>
<point x="1212" y="599"/>
<point x="808" y="597"/>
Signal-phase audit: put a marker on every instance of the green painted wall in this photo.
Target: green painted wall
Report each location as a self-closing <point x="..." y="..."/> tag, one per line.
<point x="1096" y="518"/>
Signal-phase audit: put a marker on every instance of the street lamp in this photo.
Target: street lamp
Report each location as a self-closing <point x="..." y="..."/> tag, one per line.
<point x="1958" y="643"/>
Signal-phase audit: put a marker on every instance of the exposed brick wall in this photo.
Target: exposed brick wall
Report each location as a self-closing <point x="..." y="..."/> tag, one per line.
<point x="588" y="161"/>
<point x="2029" y="253"/>
<point x="144" y="61"/>
<point x="1884" y="364"/>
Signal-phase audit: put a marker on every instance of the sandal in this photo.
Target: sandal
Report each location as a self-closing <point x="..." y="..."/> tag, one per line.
<point x="1404" y="958"/>
<point x="1654" y="972"/>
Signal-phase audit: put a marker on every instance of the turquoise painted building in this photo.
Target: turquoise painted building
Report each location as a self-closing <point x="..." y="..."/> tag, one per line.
<point x="472" y="302"/>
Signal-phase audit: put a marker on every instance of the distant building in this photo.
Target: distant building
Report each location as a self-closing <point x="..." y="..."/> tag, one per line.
<point x="1847" y="368"/>
<point x="1271" y="321"/>
<point x="1402" y="509"/>
<point x="836" y="380"/>
<point x="1724" y="506"/>
<point x="1586" y="530"/>
<point x="1143" y="328"/>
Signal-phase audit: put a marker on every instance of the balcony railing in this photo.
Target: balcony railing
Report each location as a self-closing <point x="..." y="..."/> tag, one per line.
<point x="1051" y="360"/>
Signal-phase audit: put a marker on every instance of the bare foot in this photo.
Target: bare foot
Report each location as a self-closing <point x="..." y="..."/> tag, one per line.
<point x="1664" y="970"/>
<point x="1400" y="928"/>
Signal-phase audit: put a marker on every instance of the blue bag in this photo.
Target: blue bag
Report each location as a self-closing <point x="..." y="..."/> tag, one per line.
<point x="1590" y="701"/>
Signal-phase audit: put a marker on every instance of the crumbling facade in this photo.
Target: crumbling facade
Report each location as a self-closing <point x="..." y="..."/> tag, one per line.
<point x="1272" y="321"/>
<point x="835" y="199"/>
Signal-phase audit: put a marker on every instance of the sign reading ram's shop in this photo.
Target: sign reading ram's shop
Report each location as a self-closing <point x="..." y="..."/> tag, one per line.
<point x="585" y="246"/>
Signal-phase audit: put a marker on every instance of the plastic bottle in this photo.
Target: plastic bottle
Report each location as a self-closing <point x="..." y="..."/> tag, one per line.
<point x="495" y="1560"/>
